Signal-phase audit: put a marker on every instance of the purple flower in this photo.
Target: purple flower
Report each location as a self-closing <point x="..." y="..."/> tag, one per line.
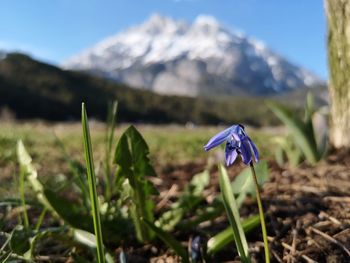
<point x="237" y="143"/>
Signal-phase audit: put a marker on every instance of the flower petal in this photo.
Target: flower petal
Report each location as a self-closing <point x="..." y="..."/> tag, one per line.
<point x="231" y="155"/>
<point x="218" y="139"/>
<point x="246" y="152"/>
<point x="255" y="150"/>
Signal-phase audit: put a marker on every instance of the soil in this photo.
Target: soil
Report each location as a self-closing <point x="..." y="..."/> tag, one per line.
<point x="307" y="210"/>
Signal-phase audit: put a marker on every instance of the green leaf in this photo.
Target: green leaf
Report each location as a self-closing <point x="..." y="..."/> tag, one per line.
<point x="25" y="162"/>
<point x="303" y="133"/>
<point x="84" y="237"/>
<point x="288" y="148"/>
<point x="243" y="184"/>
<point x="73" y="214"/>
<point x="92" y="185"/>
<point x="309" y="107"/>
<point x="19" y="242"/>
<point x="222" y="239"/>
<point x="131" y="155"/>
<point x="169" y="240"/>
<point x="89" y="240"/>
<point x="233" y="214"/>
<point x="111" y="122"/>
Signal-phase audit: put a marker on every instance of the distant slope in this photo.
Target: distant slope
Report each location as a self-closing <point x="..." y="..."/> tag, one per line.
<point x="31" y="89"/>
<point x="171" y="56"/>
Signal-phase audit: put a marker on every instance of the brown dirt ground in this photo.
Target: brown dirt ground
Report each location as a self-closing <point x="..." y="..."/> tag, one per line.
<point x="308" y="210"/>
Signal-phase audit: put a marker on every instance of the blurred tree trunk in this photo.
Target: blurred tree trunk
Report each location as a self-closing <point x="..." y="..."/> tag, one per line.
<point x="338" y="16"/>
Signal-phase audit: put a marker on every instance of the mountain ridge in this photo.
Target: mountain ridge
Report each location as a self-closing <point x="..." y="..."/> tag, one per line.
<point x="169" y="56"/>
<point x="30" y="89"/>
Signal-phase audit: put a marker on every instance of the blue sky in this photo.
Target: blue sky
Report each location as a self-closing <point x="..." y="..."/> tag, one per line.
<point x="57" y="29"/>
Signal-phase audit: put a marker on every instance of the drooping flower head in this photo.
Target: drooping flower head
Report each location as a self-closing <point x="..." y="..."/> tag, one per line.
<point x="237" y="143"/>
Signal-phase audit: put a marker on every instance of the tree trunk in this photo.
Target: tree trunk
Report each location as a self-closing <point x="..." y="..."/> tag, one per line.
<point x="338" y="16"/>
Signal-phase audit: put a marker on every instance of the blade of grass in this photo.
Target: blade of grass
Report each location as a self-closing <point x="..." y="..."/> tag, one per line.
<point x="302" y="132"/>
<point x="233" y="215"/>
<point x="220" y="240"/>
<point x="5" y="257"/>
<point x="111" y="122"/>
<point x="40" y="219"/>
<point x="169" y="240"/>
<point x="92" y="185"/>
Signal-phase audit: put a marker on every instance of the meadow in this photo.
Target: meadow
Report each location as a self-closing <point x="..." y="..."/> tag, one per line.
<point x="177" y="214"/>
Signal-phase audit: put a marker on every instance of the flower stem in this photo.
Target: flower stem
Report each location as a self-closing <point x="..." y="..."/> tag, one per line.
<point x="261" y="214"/>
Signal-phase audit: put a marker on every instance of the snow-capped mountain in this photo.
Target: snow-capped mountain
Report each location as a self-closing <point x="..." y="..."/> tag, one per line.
<point x="202" y="58"/>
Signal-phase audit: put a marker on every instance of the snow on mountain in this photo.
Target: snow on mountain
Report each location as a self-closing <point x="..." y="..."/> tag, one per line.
<point x="202" y="58"/>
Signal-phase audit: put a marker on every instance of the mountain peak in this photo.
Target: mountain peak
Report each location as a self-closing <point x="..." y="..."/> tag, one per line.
<point x="157" y="24"/>
<point x="206" y="20"/>
<point x="173" y="57"/>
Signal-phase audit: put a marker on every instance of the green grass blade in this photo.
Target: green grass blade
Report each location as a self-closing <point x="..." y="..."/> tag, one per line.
<point x="303" y="132"/>
<point x="233" y="215"/>
<point x="92" y="185"/>
<point x="169" y="240"/>
<point x="220" y="240"/>
<point x="5" y="257"/>
<point x="111" y="122"/>
<point x="40" y="219"/>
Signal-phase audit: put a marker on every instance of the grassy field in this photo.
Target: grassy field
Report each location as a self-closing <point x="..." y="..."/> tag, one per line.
<point x="169" y="145"/>
<point x="302" y="203"/>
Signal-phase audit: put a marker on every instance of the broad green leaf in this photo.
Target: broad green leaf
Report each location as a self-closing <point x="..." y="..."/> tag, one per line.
<point x="19" y="242"/>
<point x="189" y="199"/>
<point x="233" y="214"/>
<point x="303" y="132"/>
<point x="92" y="185"/>
<point x="131" y="155"/>
<point x="73" y="214"/>
<point x="89" y="240"/>
<point x="122" y="257"/>
<point x="169" y="240"/>
<point x="222" y="239"/>
<point x="84" y="237"/>
<point x="243" y="184"/>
